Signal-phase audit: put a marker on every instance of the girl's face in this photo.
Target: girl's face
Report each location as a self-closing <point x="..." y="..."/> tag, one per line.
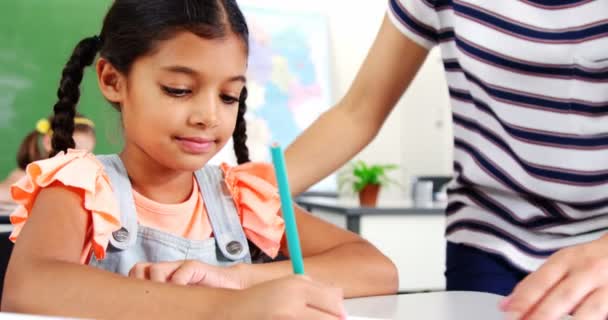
<point x="84" y="140"/>
<point x="179" y="103"/>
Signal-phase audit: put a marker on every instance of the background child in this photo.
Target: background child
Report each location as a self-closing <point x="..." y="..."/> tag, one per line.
<point x="37" y="145"/>
<point x="175" y="71"/>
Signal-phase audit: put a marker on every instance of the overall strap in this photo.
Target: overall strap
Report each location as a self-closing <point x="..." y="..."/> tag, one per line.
<point x="223" y="215"/>
<point x="119" y="179"/>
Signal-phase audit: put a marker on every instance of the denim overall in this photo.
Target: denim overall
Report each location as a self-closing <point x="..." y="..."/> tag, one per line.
<point x="134" y="243"/>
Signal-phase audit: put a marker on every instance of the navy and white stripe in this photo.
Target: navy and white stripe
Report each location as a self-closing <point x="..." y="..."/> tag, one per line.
<point x="528" y="81"/>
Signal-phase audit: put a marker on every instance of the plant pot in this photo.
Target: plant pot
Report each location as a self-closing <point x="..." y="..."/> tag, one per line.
<point x="368" y="197"/>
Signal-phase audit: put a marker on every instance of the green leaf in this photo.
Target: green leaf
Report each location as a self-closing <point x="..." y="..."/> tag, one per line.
<point x="361" y="174"/>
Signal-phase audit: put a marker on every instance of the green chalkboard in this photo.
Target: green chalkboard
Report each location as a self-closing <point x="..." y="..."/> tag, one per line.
<point x="36" y="39"/>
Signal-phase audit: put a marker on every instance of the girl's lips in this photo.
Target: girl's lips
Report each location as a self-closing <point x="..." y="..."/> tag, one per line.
<point x="195" y="145"/>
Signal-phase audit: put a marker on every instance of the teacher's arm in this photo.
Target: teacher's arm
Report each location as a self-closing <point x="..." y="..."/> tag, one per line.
<point x="344" y="130"/>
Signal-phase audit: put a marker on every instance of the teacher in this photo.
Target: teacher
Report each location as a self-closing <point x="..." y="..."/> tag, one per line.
<point x="528" y="81"/>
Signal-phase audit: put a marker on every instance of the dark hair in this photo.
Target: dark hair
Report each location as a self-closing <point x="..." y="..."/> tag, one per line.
<point x="31" y="148"/>
<point x="133" y="28"/>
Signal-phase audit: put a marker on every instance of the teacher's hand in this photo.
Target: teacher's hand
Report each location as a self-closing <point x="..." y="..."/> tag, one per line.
<point x="572" y="281"/>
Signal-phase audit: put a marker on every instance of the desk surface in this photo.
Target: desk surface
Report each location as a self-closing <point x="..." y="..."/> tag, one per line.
<point x="351" y="206"/>
<point x="429" y="306"/>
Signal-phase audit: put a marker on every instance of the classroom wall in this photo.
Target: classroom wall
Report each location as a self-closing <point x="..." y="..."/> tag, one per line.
<point x="418" y="133"/>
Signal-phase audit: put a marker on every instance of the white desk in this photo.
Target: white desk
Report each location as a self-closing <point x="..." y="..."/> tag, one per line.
<point x="429" y="306"/>
<point x="423" y="306"/>
<point x="352" y="212"/>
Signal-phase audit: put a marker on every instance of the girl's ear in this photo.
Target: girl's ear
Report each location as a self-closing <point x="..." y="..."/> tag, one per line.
<point x="111" y="82"/>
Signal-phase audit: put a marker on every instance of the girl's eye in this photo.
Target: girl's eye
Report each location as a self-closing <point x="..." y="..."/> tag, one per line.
<point x="175" y="92"/>
<point x="229" y="99"/>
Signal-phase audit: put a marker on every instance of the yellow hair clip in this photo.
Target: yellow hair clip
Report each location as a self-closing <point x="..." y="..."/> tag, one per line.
<point x="85" y="121"/>
<point x="43" y="126"/>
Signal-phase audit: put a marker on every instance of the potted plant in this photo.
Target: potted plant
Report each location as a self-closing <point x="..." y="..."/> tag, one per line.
<point x="366" y="180"/>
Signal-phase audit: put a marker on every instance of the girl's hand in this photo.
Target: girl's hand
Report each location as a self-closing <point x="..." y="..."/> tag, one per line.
<point x="293" y="297"/>
<point x="190" y="272"/>
<point x="573" y="280"/>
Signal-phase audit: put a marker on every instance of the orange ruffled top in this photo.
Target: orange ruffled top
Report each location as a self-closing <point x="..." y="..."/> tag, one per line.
<point x="251" y="186"/>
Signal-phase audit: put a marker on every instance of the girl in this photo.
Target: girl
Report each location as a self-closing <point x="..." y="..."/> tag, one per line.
<point x="175" y="69"/>
<point x="37" y="145"/>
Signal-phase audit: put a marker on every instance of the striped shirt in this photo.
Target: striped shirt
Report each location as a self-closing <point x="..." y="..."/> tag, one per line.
<point x="528" y="84"/>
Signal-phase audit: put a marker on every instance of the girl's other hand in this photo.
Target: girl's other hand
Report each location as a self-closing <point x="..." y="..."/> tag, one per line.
<point x="189" y="272"/>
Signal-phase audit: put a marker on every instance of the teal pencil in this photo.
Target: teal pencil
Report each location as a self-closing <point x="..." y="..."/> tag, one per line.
<point x="291" y="229"/>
